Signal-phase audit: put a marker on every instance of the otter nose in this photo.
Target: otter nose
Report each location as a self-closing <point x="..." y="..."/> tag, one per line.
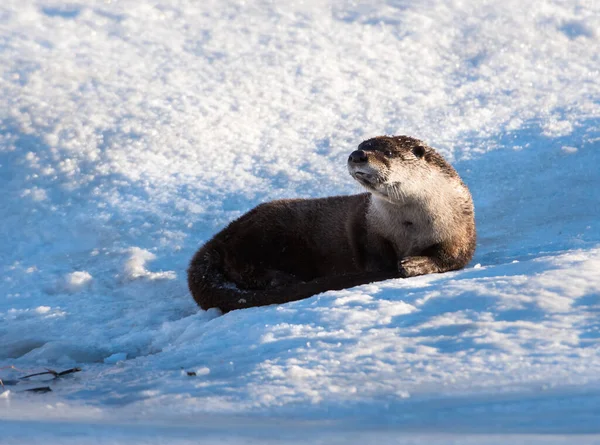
<point x="358" y="157"/>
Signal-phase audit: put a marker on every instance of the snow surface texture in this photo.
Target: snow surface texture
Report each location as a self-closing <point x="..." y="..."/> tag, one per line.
<point x="130" y="132"/>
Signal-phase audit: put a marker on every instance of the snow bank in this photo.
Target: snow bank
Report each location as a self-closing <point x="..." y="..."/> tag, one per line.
<point x="131" y="132"/>
<point x="75" y="281"/>
<point x="135" y="266"/>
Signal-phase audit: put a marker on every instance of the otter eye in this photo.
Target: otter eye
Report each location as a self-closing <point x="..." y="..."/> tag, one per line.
<point x="419" y="151"/>
<point x="388" y="153"/>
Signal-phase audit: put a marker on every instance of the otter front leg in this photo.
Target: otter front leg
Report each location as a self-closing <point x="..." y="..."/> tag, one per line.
<point x="413" y="266"/>
<point x="438" y="258"/>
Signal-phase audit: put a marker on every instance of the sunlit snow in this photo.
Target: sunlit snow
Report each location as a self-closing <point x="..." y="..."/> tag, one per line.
<point x="132" y="131"/>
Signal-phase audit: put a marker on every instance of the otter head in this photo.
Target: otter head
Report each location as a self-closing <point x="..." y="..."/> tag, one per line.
<point x="399" y="168"/>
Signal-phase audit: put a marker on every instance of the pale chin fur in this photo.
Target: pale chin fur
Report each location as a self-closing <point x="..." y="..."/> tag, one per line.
<point x="389" y="188"/>
<point x="376" y="188"/>
<point x="400" y="186"/>
<point x="421" y="186"/>
<point x="415" y="185"/>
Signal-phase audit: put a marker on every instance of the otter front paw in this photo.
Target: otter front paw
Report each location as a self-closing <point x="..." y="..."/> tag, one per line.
<point x="413" y="266"/>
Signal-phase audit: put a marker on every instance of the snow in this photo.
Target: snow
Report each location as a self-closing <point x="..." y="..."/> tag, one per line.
<point x="115" y="358"/>
<point x="130" y="132"/>
<point x="135" y="266"/>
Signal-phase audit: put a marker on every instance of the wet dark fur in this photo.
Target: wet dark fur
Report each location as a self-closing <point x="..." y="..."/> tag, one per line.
<point x="287" y="250"/>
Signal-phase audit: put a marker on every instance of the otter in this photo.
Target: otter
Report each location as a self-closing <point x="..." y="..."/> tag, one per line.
<point x="416" y="218"/>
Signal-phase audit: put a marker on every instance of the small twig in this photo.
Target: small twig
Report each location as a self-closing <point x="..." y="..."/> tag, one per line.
<point x="69" y="371"/>
<point x="47" y="371"/>
<point x="41" y="389"/>
<point x="53" y="372"/>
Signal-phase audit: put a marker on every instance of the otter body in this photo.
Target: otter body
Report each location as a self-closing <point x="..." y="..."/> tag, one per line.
<point x="416" y="218"/>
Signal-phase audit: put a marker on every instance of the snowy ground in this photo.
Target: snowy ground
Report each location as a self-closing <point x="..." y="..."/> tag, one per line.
<point x="132" y="131"/>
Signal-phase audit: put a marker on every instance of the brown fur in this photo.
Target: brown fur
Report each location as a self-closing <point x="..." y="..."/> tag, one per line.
<point x="417" y="219"/>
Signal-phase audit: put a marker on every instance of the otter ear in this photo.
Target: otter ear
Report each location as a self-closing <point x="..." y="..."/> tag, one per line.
<point x="419" y="151"/>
